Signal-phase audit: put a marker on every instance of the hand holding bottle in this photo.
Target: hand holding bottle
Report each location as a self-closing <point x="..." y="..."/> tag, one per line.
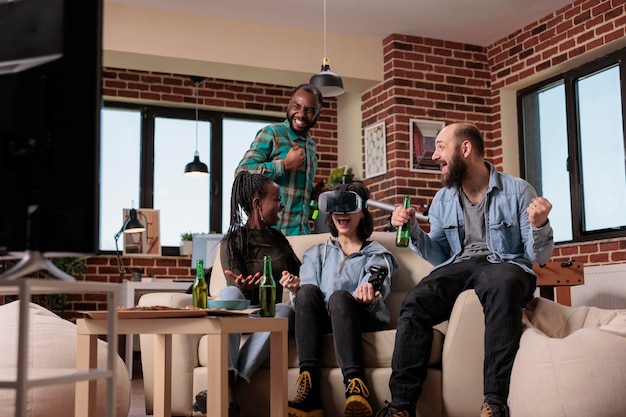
<point x="403" y="229"/>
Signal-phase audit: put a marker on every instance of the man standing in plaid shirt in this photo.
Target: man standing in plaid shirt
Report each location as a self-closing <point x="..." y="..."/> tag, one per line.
<point x="287" y="154"/>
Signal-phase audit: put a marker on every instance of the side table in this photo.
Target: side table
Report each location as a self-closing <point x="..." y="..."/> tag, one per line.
<point x="558" y="277"/>
<point x="217" y="329"/>
<point x="126" y="298"/>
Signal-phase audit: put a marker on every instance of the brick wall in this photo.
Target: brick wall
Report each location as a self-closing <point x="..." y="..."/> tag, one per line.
<point x="446" y="81"/>
<point x="423" y="79"/>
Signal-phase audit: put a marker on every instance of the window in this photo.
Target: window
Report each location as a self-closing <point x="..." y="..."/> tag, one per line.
<point x="573" y="148"/>
<point x="144" y="150"/>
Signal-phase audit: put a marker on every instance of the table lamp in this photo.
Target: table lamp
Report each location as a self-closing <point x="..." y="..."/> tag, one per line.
<point x="131" y="225"/>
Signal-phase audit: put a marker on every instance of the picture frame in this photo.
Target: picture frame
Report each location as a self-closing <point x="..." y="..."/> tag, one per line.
<point x="148" y="242"/>
<point x="422" y="134"/>
<point x="375" y="140"/>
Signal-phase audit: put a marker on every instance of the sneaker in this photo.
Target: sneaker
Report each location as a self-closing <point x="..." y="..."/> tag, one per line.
<point x="494" y="410"/>
<point x="356" y="404"/>
<point x="233" y="409"/>
<point x="307" y="402"/>
<point x="200" y="404"/>
<point x="391" y="411"/>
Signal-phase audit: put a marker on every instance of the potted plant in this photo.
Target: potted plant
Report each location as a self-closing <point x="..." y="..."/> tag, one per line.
<point x="186" y="240"/>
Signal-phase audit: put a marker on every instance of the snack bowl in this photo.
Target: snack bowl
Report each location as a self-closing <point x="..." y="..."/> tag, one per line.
<point x="228" y="304"/>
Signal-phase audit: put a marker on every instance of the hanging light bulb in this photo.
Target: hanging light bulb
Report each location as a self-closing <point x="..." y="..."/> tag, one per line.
<point x="329" y="83"/>
<point x="196" y="167"/>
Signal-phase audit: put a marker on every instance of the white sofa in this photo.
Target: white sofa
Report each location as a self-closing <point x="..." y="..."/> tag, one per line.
<point x="454" y="384"/>
<point x="52" y="344"/>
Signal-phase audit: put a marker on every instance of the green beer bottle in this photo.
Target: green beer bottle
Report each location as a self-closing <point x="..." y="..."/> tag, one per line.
<point x="403" y="233"/>
<point x="200" y="289"/>
<point x="267" y="290"/>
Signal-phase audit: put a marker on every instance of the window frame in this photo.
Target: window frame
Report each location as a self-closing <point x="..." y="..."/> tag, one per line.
<point x="574" y="164"/>
<point x="215" y="165"/>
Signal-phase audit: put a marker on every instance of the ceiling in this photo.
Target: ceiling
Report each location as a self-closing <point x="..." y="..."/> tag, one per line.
<point x="479" y="22"/>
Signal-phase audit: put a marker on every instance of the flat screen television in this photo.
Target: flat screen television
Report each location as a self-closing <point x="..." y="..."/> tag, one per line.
<point x="50" y="98"/>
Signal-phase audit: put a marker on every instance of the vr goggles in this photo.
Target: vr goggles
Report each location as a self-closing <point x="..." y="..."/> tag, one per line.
<point x="346" y="202"/>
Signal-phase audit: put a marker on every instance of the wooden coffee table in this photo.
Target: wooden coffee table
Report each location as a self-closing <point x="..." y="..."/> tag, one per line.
<point x="216" y="328"/>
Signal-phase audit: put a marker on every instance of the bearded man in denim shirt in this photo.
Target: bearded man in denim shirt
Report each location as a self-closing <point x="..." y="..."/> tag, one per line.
<point x="486" y="229"/>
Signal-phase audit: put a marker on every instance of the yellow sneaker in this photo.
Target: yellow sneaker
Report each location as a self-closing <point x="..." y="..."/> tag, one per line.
<point x="307" y="402"/>
<point x="356" y="404"/>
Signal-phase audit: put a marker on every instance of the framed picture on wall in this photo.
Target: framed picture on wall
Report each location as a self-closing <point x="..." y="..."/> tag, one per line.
<point x="422" y="143"/>
<point x="375" y="150"/>
<point x="148" y="242"/>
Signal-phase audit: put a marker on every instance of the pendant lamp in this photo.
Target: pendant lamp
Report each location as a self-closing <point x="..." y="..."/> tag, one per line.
<point x="196" y="167"/>
<point x="329" y="83"/>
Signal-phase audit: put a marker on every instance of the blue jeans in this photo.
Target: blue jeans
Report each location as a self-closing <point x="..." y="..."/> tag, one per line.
<point x="503" y="290"/>
<point x="246" y="359"/>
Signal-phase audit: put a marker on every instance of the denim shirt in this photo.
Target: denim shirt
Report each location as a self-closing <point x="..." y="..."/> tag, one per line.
<point x="509" y="234"/>
<point x="326" y="266"/>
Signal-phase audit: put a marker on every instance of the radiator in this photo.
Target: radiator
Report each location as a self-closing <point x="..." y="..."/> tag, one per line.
<point x="605" y="287"/>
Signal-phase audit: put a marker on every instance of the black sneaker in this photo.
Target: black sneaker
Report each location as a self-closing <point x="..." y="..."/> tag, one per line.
<point x="307" y="402"/>
<point x="200" y="404"/>
<point x="494" y="410"/>
<point x="391" y="411"/>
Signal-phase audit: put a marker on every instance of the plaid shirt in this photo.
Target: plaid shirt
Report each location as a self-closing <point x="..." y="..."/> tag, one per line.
<point x="265" y="156"/>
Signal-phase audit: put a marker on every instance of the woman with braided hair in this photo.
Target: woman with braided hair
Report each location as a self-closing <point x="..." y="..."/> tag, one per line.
<point x="254" y="207"/>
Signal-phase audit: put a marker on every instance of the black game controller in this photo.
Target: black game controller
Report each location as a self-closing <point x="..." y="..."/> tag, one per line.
<point x="379" y="273"/>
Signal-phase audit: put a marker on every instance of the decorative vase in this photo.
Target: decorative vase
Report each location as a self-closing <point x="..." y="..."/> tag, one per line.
<point x="186" y="247"/>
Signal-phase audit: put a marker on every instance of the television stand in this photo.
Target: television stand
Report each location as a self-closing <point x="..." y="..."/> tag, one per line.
<point x="34" y="261"/>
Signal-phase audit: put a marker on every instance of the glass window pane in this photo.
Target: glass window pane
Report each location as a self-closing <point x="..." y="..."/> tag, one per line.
<point x="120" y="146"/>
<point x="546" y="151"/>
<point x="602" y="149"/>
<point x="238" y="135"/>
<point x="183" y="200"/>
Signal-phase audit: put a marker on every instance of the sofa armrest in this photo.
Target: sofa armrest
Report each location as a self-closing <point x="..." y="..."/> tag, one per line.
<point x="184" y="357"/>
<point x="463" y="352"/>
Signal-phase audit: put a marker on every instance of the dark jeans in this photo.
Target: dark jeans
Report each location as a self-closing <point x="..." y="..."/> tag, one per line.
<point x="345" y="317"/>
<point x="503" y="290"/>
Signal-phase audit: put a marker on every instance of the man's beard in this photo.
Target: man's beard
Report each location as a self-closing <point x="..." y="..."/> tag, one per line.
<point x="457" y="171"/>
<point x="300" y="132"/>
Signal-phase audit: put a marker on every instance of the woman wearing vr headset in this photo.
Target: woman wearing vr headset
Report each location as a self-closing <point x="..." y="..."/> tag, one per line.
<point x="254" y="207"/>
<point x="333" y="295"/>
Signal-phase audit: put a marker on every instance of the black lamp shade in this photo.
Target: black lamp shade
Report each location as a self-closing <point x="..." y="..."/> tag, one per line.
<point x="196" y="167"/>
<point x="329" y="83"/>
<point x="133" y="225"/>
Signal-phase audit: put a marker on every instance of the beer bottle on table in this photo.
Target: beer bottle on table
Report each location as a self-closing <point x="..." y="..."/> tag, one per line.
<point x="267" y="290"/>
<point x="200" y="289"/>
<point x="403" y="233"/>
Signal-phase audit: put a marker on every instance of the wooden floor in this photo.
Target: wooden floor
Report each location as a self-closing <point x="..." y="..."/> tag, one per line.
<point x="137" y="404"/>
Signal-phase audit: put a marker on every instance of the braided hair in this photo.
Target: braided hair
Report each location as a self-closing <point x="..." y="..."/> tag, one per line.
<point x="246" y="187"/>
